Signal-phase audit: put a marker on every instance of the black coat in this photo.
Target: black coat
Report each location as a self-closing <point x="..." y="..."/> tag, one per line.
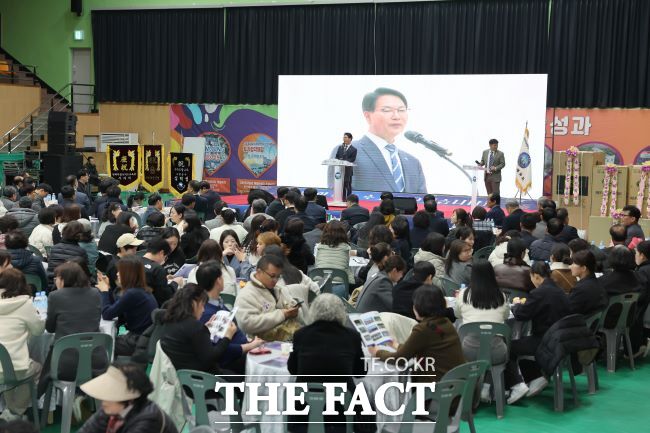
<point x="512" y="221"/>
<point x="300" y="255"/>
<point x="355" y="214"/>
<point x="588" y="297"/>
<point x="108" y="240"/>
<point x="148" y="418"/>
<point x="438" y="224"/>
<point x="541" y="248"/>
<point x="617" y="283"/>
<point x="568" y="335"/>
<point x="544" y="306"/>
<point x="28" y="263"/>
<point x="417" y="235"/>
<point x="61" y="253"/>
<point x="567" y="234"/>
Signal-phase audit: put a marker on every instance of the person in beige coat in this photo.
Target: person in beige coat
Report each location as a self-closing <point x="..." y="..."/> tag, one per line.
<point x="19" y="321"/>
<point x="265" y="309"/>
<point x="431" y="250"/>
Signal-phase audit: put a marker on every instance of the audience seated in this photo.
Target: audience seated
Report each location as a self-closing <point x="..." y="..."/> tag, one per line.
<point x="420" y="228"/>
<point x="155" y="206"/>
<point x="431" y="250"/>
<point x="459" y="218"/>
<point x="214" y="215"/>
<point x="153" y="227"/>
<point x="568" y="232"/>
<point x="363" y="234"/>
<point x="176" y="259"/>
<point x="27" y="217"/>
<point x="619" y="280"/>
<point x="437" y="222"/>
<point x="588" y="295"/>
<point x="41" y="236"/>
<point x="19" y="321"/>
<point x="70" y="213"/>
<point x="123" y="392"/>
<point x="527" y="224"/>
<point x="109" y="217"/>
<point x="434" y="337"/>
<point x="263" y="239"/>
<point x="290" y="200"/>
<point x="541" y="248"/>
<point x="399" y="227"/>
<point x="479" y="221"/>
<point x="210" y="251"/>
<point x="125" y="223"/>
<point x="127" y="245"/>
<point x="324" y="348"/>
<point x="423" y="273"/>
<point x="561" y="268"/>
<point x="177" y="217"/>
<point x="377" y="292"/>
<point x="582" y="245"/>
<point x="458" y="265"/>
<point x="546" y="213"/>
<point x="545" y="305"/>
<point x="299" y="253"/>
<point x="23" y="259"/>
<point x="514" y="272"/>
<point x="333" y="251"/>
<point x="7" y="224"/>
<point x="630" y="219"/>
<point x="277" y="204"/>
<point x="301" y="213"/>
<point x="257" y="208"/>
<point x="354" y="214"/>
<point x="387" y="209"/>
<point x="162" y="288"/>
<point x="495" y="214"/>
<point x="264" y="308"/>
<point x="87" y="242"/>
<point x="193" y="235"/>
<point x="133" y="303"/>
<point x="501" y="247"/>
<point x="228" y="216"/>
<point x="299" y="285"/>
<point x="9" y="197"/>
<point x="513" y="220"/>
<point x="233" y="253"/>
<point x="639" y="335"/>
<point x="313" y="210"/>
<point x="617" y="233"/>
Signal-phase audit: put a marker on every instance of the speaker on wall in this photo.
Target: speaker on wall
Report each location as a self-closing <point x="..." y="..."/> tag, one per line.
<point x="408" y="205"/>
<point x="57" y="167"/>
<point x="76" y="6"/>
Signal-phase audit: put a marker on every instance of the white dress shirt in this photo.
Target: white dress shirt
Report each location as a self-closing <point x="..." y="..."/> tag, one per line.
<point x="381" y="145"/>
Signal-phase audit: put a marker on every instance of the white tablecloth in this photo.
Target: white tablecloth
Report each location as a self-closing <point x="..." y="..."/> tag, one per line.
<point x="258" y="371"/>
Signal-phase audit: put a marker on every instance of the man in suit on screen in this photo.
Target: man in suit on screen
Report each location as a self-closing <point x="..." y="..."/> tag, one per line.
<point x="380" y="164"/>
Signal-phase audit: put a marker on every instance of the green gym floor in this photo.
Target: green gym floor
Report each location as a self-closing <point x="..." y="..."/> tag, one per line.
<point x="620" y="405"/>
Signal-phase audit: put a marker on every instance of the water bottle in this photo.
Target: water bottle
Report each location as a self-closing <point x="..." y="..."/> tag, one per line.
<point x="593" y="243"/>
<point x="601" y="245"/>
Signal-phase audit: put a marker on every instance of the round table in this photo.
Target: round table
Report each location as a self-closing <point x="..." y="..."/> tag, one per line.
<point x="272" y="368"/>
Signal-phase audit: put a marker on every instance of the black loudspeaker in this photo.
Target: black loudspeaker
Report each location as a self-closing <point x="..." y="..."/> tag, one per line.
<point x="76" y="6"/>
<point x="408" y="205"/>
<point x="57" y="167"/>
<point x="61" y="132"/>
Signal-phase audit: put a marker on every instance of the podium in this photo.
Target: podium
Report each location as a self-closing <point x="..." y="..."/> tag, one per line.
<point x="337" y="166"/>
<point x="475" y="170"/>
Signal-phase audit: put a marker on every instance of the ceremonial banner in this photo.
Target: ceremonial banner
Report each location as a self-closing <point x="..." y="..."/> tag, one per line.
<point x="240" y="143"/>
<point x="152" y="163"/>
<point x="123" y="161"/>
<point x="524" y="177"/>
<point x="181" y="167"/>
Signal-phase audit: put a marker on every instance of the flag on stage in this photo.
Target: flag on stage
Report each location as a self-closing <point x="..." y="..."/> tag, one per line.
<point x="523" y="179"/>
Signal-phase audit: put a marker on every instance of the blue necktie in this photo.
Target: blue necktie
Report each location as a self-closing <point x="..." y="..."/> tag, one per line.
<point x="490" y="161"/>
<point x="396" y="168"/>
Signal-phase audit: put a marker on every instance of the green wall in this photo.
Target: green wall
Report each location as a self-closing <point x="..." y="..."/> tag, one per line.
<point x="40" y="32"/>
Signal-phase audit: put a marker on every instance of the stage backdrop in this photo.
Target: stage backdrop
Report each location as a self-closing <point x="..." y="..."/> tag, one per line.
<point x="460" y="112"/>
<point x="240" y="142"/>
<point x="623" y="134"/>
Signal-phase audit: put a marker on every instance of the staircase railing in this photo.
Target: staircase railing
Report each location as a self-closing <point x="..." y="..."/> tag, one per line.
<point x="56" y="101"/>
<point x="11" y="71"/>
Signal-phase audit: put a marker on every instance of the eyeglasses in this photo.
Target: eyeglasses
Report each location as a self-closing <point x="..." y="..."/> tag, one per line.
<point x="271" y="276"/>
<point x="625" y="214"/>
<point x="389" y="110"/>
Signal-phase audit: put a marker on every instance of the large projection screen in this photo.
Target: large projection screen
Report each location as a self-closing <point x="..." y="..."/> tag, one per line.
<point x="459" y="112"/>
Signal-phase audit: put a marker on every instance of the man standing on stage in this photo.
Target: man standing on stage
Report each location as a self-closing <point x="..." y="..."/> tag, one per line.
<point x="493" y="160"/>
<point x="347" y="152"/>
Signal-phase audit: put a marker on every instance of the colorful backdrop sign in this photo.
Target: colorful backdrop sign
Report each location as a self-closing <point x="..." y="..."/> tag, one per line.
<point x="181" y="168"/>
<point x="623" y="134"/>
<point x="240" y="143"/>
<point x="123" y="163"/>
<point x="152" y="163"/>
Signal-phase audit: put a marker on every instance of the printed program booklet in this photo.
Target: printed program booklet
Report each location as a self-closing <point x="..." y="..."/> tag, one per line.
<point x="372" y="329"/>
<point x="185" y="270"/>
<point x="220" y="324"/>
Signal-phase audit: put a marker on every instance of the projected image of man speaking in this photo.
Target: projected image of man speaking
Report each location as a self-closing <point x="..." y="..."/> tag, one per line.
<point x="380" y="164"/>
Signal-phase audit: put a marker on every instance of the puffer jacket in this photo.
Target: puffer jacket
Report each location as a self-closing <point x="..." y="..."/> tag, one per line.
<point x="148" y="233"/>
<point x="567" y="336"/>
<point x="62" y="252"/>
<point x="437" y="261"/>
<point x="541" y="248"/>
<point x="19" y="321"/>
<point x="27" y="219"/>
<point x="28" y="263"/>
<point x="150" y="336"/>
<point x="148" y="418"/>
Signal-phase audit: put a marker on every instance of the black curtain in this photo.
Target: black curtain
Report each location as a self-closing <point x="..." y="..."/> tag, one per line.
<point x="599" y="54"/>
<point x="158" y="55"/>
<point x="462" y="37"/>
<point x="264" y="42"/>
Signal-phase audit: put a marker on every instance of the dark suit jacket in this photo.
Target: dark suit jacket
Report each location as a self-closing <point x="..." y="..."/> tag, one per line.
<point x="377" y="294"/>
<point x="588" y="297"/>
<point x="527" y="238"/>
<point x="544" y="306"/>
<point x="355" y="214"/>
<point x="316" y="212"/>
<point x="306" y="219"/>
<point x="349" y="155"/>
<point x="373" y="174"/>
<point x="438" y="224"/>
<point x="497" y="215"/>
<point x="567" y="234"/>
<point x="512" y="221"/>
<point x="498" y="161"/>
<point x="212" y="197"/>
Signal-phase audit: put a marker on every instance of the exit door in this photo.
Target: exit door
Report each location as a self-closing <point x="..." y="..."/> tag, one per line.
<point x="82" y="99"/>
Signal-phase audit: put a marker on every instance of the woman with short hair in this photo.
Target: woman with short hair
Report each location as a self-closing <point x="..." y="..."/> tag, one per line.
<point x="22" y="258"/>
<point x="561" y="267"/>
<point x="377" y="292"/>
<point x="41" y="236"/>
<point x="458" y="266"/>
<point x="333" y="251"/>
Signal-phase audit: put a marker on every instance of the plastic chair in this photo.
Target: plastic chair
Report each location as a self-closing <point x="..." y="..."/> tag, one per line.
<point x="483" y="253"/>
<point x="48" y="250"/>
<point x="35" y="281"/>
<point x="486" y="331"/>
<point x="141" y="253"/>
<point x="9" y="380"/>
<point x="192" y="260"/>
<point x="315" y="398"/>
<point x="558" y="385"/>
<point x="621" y="329"/>
<point x="592" y="376"/>
<point x="228" y="300"/>
<point x="446" y="392"/>
<point x="449" y="287"/>
<point x="339" y="276"/>
<point x="84" y="343"/>
<point x="200" y="383"/>
<point x="36" y="251"/>
<point x="472" y="373"/>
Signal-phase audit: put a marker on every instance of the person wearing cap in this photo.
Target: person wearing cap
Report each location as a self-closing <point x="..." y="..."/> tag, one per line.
<point x="132" y="303"/>
<point x="123" y="391"/>
<point x="127" y="245"/>
<point x="26" y="216"/>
